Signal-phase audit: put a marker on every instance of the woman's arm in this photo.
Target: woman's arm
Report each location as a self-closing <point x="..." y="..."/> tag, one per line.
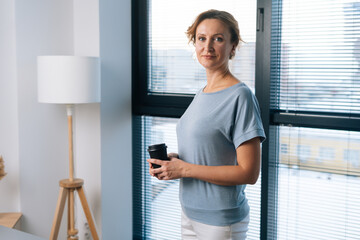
<point x="246" y="172"/>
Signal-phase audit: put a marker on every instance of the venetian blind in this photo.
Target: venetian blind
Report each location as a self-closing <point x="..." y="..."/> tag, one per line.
<point x="172" y="63"/>
<point x="157" y="211"/>
<point x="317" y="184"/>
<point x="316" y="55"/>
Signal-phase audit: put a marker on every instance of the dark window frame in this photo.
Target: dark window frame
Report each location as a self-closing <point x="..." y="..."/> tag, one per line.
<point x="143" y="101"/>
<point x="174" y="105"/>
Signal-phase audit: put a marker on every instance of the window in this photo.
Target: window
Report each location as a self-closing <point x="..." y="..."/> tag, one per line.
<point x="302" y="59"/>
<point x="303" y="152"/>
<point x="352" y="157"/>
<point x="314" y="109"/>
<point x="318" y="200"/>
<point x="325" y="153"/>
<point x="157" y="208"/>
<point x="172" y="77"/>
<point x="173" y="67"/>
<point x="283" y="148"/>
<point x="319" y="61"/>
<point x="170" y="74"/>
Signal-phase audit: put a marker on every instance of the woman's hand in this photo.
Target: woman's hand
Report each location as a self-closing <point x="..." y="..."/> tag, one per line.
<point x="169" y="170"/>
<point x="173" y="155"/>
<point x="246" y="172"/>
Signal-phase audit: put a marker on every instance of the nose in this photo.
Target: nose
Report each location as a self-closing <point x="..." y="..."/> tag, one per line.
<point x="209" y="45"/>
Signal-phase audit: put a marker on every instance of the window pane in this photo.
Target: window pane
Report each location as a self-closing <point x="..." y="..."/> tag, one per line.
<point x="157" y="211"/>
<point x="316" y="55"/>
<point x="158" y="200"/>
<point x="318" y="185"/>
<point x="173" y="67"/>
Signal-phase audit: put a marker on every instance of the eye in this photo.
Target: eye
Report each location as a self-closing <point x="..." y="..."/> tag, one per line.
<point x="219" y="39"/>
<point x="201" y="38"/>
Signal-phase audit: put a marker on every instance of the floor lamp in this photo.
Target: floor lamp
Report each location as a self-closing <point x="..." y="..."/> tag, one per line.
<point x="69" y="80"/>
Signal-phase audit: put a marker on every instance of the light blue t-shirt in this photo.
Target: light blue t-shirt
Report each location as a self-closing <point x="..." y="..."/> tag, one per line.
<point x="208" y="133"/>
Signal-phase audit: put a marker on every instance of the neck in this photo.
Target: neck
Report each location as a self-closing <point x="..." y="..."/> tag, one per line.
<point x="217" y="80"/>
<point x="217" y="76"/>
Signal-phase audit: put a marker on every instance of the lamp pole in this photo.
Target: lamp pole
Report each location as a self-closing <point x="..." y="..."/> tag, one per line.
<point x="72" y="231"/>
<point x="69" y="111"/>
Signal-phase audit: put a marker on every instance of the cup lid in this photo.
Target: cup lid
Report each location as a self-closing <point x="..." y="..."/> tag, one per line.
<point x="156" y="146"/>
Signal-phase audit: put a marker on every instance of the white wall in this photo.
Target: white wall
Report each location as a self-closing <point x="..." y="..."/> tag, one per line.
<point x="116" y="139"/>
<point x="87" y="117"/>
<point x="34" y="135"/>
<point x="42" y="28"/>
<point x="9" y="141"/>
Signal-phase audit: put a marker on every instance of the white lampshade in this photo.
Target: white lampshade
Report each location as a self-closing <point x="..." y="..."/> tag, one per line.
<point x="68" y="79"/>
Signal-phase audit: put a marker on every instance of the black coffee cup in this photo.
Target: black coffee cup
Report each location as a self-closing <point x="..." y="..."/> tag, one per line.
<point x="158" y="151"/>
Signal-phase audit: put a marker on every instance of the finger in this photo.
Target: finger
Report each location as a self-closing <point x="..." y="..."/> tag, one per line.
<point x="163" y="177"/>
<point x="173" y="155"/>
<point x="160" y="177"/>
<point x="155" y="161"/>
<point x="156" y="171"/>
<point x="152" y="170"/>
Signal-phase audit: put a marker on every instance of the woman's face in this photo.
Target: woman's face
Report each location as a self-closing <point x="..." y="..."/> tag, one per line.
<point x="213" y="44"/>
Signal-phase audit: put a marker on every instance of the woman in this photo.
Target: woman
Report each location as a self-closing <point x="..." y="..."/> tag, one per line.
<point x="219" y="139"/>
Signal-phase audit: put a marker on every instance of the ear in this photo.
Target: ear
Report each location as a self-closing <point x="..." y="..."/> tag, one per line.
<point x="233" y="49"/>
<point x="232" y="53"/>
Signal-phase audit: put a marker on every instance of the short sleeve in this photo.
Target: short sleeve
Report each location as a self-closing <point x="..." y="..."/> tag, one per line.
<point x="247" y="120"/>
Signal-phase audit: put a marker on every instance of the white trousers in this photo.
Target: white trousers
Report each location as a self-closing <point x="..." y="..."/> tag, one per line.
<point x="200" y="231"/>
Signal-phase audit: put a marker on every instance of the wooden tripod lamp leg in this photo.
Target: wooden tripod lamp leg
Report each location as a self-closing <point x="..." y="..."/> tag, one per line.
<point x="72" y="231"/>
<point x="58" y="213"/>
<point x="87" y="212"/>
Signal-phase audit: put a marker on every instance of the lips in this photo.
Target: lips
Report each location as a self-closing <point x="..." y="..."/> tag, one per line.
<point x="208" y="56"/>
